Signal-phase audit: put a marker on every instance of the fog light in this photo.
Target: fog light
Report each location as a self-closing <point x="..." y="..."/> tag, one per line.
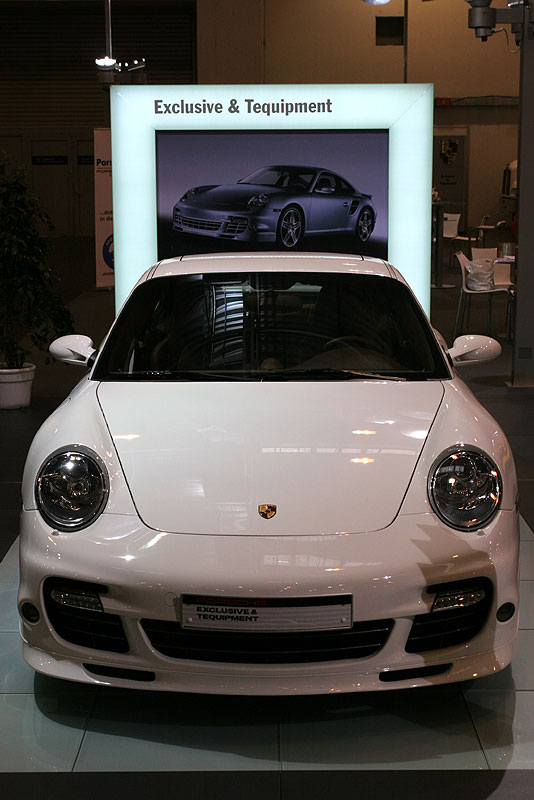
<point x="30" y="613"/>
<point x="89" y="602"/>
<point x="506" y="612"/>
<point x="457" y="599"/>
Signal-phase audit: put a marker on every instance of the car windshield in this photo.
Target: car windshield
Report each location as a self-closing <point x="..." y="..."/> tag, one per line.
<point x="281" y="177"/>
<point x="271" y="326"/>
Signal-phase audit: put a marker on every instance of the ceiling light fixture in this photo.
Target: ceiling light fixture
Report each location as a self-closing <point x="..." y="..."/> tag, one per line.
<point x="105" y="63"/>
<point x="109" y="69"/>
<point x="108" y="62"/>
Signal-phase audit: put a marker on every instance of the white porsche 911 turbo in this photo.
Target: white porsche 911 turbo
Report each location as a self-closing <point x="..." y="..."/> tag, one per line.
<point x="270" y="481"/>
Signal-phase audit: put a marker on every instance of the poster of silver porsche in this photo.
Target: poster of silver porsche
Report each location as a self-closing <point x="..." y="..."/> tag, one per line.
<point x="277" y="204"/>
<point x="278" y="191"/>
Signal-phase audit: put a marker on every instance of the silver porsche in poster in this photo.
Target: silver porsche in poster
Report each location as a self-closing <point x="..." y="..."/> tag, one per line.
<point x="277" y="204"/>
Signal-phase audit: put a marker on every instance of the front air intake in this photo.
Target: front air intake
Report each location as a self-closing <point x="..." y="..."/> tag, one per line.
<point x="454" y="622"/>
<point x="364" y="639"/>
<point x="79" y="624"/>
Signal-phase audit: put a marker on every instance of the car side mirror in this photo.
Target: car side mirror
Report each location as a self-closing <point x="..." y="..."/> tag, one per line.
<point x="73" y="349"/>
<point x="473" y="349"/>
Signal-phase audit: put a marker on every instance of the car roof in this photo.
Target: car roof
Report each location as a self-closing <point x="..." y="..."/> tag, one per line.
<point x="300" y="168"/>
<point x="272" y="262"/>
<point x="295" y="166"/>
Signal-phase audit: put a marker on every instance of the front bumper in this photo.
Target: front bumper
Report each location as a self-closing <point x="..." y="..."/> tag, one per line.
<point x="235" y="225"/>
<point x="387" y="574"/>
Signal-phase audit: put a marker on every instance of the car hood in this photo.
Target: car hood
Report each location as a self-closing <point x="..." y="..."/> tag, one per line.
<point x="226" y="196"/>
<point x="332" y="457"/>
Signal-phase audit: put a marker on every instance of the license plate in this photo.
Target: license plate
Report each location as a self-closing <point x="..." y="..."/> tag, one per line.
<point x="267" y="614"/>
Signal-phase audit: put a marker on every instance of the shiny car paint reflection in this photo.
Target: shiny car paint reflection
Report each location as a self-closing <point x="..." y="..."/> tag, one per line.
<point x="191" y="462"/>
<point x="281" y="204"/>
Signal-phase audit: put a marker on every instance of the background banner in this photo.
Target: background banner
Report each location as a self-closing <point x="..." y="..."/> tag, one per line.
<point x="318" y="190"/>
<point x="189" y="166"/>
<point x="103" y="208"/>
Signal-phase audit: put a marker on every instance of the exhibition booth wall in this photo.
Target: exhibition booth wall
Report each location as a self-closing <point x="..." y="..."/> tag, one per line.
<point x="386" y="152"/>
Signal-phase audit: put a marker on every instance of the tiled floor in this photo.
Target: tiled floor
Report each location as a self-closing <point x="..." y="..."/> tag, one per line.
<point x="49" y="725"/>
<point x="474" y="740"/>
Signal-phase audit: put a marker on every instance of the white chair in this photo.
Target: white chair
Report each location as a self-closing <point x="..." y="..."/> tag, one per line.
<point x="450" y="231"/>
<point x="501" y="274"/>
<point x="484" y="227"/>
<point x="501" y="269"/>
<point x="473" y="235"/>
<point x="484" y="253"/>
<point x="450" y="225"/>
<point x="466" y="294"/>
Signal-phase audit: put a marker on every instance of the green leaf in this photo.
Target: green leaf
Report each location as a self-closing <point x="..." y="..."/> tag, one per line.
<point x="29" y="305"/>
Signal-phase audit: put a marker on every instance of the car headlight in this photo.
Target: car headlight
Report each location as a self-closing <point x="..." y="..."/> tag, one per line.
<point x="188" y="194"/>
<point x="258" y="201"/>
<point x="465" y="488"/>
<point x="72" y="488"/>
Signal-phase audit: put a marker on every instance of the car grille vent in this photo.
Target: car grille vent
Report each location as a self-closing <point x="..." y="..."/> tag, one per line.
<point x="198" y="224"/>
<point x="450" y="627"/>
<point x="361" y="641"/>
<point x="95" y="629"/>
<point x="235" y="226"/>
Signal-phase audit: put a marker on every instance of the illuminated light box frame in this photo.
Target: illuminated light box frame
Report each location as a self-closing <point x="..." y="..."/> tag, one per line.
<point x="404" y="110"/>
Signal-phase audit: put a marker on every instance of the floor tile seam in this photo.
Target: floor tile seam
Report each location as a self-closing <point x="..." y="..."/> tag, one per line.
<point x="499" y="691"/>
<point x="87" y="718"/>
<point x="468" y="710"/>
<point x="504" y="690"/>
<point x="343" y="770"/>
<point x="395" y="769"/>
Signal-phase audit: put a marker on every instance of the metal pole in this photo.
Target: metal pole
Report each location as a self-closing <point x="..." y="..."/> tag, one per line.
<point x="405" y="38"/>
<point x="523" y="361"/>
<point x="109" y="52"/>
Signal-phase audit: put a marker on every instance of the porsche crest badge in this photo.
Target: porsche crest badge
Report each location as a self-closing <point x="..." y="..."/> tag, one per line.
<point x="267" y="510"/>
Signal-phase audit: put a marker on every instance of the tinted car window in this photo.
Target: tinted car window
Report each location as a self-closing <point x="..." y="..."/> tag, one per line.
<point x="281" y="178"/>
<point x="343" y="186"/>
<point x="254" y="326"/>
<point x="326" y="181"/>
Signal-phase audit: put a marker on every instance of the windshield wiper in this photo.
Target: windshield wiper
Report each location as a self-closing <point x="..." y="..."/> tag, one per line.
<point x="326" y="372"/>
<point x="259" y="375"/>
<point x="175" y="374"/>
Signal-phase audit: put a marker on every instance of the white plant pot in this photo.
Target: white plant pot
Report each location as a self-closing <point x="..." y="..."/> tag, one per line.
<point x="16" y="386"/>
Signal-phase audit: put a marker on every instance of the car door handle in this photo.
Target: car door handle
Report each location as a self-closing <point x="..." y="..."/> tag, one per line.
<point x="345" y="204"/>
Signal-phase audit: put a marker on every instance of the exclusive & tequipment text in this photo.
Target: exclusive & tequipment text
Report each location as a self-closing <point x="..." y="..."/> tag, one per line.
<point x="249" y="106"/>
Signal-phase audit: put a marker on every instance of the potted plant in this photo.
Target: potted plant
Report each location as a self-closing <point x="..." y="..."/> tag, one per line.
<point x="31" y="313"/>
